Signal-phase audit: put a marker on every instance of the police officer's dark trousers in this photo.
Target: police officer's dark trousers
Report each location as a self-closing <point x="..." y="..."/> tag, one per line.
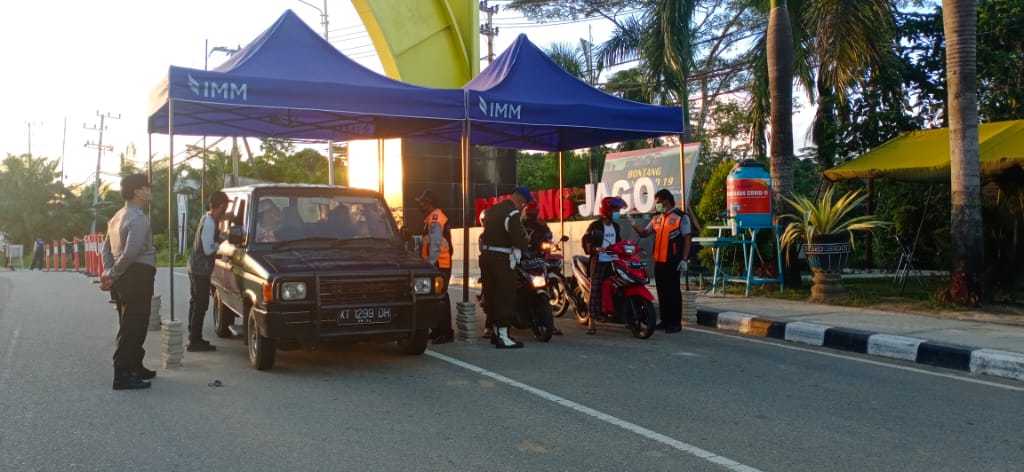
<point x="197" y="305"/>
<point x="499" y="287"/>
<point x="670" y="300"/>
<point x="134" y="291"/>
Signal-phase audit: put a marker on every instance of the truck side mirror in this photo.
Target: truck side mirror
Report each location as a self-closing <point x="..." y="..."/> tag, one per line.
<point x="235" y="235"/>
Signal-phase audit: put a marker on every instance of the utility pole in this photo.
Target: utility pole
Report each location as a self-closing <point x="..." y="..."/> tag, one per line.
<point x="488" y="29"/>
<point x="330" y="143"/>
<point x="29" y="124"/>
<point x="63" y="145"/>
<point x="99" y="157"/>
<point x="234" y="139"/>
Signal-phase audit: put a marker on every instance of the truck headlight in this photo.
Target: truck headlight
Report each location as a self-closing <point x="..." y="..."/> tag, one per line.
<point x="293" y="291"/>
<point x="423" y="285"/>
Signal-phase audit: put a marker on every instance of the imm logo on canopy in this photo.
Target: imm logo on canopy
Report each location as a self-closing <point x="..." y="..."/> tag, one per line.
<point x="222" y="90"/>
<point x="500" y="110"/>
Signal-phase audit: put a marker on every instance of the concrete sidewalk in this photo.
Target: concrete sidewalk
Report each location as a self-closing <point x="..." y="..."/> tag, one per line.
<point x="971" y="346"/>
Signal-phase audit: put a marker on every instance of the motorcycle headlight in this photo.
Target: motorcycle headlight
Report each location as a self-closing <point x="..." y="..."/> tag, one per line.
<point x="293" y="291"/>
<point x="538" y="281"/>
<point x="545" y="246"/>
<point x="423" y="285"/>
<point x="630" y="250"/>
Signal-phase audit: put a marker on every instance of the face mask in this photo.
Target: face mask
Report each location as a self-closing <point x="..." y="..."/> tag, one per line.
<point x="615" y="216"/>
<point x="659" y="207"/>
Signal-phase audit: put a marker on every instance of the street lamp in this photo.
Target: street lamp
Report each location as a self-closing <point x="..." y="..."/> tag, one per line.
<point x="234" y="140"/>
<point x="323" y="14"/>
<point x="330" y="144"/>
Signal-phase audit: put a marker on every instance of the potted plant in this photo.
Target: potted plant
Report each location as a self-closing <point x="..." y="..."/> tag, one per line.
<point x="824" y="228"/>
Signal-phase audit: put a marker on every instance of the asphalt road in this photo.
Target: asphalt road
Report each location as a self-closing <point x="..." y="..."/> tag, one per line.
<point x="698" y="400"/>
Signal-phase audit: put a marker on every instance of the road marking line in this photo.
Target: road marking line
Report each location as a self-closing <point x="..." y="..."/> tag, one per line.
<point x="8" y="355"/>
<point x="855" y="359"/>
<point x="631" y="427"/>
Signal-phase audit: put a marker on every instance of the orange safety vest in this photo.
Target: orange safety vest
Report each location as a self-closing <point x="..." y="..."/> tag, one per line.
<point x="444" y="260"/>
<point x="666" y="228"/>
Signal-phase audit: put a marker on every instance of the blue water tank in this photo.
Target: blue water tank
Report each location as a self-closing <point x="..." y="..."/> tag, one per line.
<point x="748" y="196"/>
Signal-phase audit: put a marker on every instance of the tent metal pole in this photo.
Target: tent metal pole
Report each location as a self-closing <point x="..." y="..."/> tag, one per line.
<point x="682" y="173"/>
<point x="170" y="198"/>
<point x="149" y="170"/>
<point x="561" y="196"/>
<point x="920" y="223"/>
<point x="330" y="162"/>
<point x="467" y="219"/>
<point x="380" y="165"/>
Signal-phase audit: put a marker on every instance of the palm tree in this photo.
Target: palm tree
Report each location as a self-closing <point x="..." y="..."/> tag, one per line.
<point x="662" y="38"/>
<point x="960" y="22"/>
<point x="779" y="48"/>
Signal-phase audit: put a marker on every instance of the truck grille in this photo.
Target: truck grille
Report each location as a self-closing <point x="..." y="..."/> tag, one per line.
<point x="361" y="292"/>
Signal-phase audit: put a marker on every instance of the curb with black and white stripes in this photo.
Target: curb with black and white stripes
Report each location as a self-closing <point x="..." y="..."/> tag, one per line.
<point x="921" y="351"/>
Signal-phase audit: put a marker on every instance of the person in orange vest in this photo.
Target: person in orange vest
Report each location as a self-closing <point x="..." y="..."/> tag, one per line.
<point x="672" y="233"/>
<point x="436" y="248"/>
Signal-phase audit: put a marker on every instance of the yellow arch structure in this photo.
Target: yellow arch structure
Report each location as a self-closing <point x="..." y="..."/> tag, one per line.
<point x="433" y="43"/>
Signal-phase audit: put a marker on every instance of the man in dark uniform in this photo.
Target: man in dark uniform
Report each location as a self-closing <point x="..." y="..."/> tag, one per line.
<point x="39" y="252"/>
<point x="672" y="234"/>
<point x="501" y="243"/>
<point x="537" y="230"/>
<point x="436" y="248"/>
<point x="129" y="268"/>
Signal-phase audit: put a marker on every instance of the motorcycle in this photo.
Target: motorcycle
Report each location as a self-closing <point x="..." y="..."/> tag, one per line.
<point x="533" y="310"/>
<point x="558" y="288"/>
<point x="633" y="303"/>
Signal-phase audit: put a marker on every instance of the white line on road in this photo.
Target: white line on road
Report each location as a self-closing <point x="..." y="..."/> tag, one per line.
<point x="634" y="428"/>
<point x="857" y="359"/>
<point x="8" y="355"/>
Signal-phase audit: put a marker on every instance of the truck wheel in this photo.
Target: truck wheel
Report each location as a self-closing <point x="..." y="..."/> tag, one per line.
<point x="262" y="350"/>
<point x="223" y="318"/>
<point x="415" y="343"/>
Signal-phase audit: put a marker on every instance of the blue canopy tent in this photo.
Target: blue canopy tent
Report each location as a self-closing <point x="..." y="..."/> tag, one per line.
<point x="290" y="83"/>
<point x="524" y="100"/>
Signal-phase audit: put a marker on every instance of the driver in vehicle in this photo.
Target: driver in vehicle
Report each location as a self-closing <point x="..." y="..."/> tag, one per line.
<point x="268" y="221"/>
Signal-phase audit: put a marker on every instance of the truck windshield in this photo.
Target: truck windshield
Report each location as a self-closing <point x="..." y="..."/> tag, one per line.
<point x="290" y="217"/>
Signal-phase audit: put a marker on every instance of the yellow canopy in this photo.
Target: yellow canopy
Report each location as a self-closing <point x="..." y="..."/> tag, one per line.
<point x="924" y="155"/>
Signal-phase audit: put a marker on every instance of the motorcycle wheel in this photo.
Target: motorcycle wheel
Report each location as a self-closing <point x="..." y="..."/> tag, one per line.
<point x="559" y="296"/>
<point x="543" y="321"/>
<point x="580" y="307"/>
<point x="644" y="318"/>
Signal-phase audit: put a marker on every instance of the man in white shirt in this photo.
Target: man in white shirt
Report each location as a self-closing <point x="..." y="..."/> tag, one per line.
<point x="200" y="266"/>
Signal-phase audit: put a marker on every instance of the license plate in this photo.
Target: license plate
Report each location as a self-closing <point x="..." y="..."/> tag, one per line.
<point x="364" y="315"/>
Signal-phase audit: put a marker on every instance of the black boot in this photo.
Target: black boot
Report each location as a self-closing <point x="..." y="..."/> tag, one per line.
<point x="200" y="345"/>
<point x="128" y="379"/>
<point x="144" y="373"/>
<point x="504" y="341"/>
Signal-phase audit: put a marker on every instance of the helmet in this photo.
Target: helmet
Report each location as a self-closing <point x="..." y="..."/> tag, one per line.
<point x="610" y="204"/>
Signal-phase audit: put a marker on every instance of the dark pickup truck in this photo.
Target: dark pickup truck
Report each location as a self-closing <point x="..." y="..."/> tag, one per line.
<point x="305" y="264"/>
